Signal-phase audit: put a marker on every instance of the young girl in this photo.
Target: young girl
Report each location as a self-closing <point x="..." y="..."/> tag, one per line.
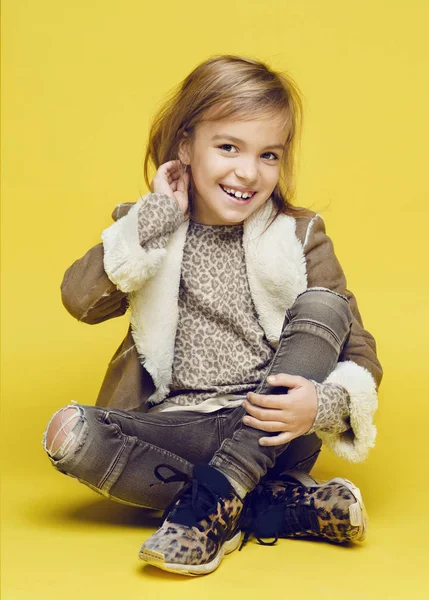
<point x="245" y="349"/>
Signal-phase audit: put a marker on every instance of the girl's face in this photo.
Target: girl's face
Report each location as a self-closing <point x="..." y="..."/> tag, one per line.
<point x="242" y="155"/>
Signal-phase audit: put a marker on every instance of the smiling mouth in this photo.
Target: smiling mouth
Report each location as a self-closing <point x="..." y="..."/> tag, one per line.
<point x="237" y="198"/>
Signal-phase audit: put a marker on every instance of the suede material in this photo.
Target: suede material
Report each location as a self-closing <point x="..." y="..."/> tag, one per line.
<point x="91" y="297"/>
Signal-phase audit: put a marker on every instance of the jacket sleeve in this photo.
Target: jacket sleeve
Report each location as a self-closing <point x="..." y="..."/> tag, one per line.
<point x="94" y="288"/>
<point x="358" y="370"/>
<point x="88" y="294"/>
<point x="135" y="245"/>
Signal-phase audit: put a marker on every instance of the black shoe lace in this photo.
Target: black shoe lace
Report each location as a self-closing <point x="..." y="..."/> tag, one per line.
<point x="268" y="516"/>
<point x="197" y="499"/>
<point x="300" y="518"/>
<point x="256" y="508"/>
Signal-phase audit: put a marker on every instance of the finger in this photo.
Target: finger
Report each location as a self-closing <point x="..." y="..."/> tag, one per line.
<point x="267" y="400"/>
<point x="264" y="414"/>
<point x="173" y="175"/>
<point x="177" y="177"/>
<point x="284" y="379"/>
<point x="171" y="163"/>
<point x="182" y="184"/>
<point x="277" y="440"/>
<point x="169" y="168"/>
<point x="175" y="171"/>
<point x="270" y="426"/>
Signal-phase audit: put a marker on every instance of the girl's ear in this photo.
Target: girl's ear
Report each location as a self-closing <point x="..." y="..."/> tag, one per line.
<point x="183" y="150"/>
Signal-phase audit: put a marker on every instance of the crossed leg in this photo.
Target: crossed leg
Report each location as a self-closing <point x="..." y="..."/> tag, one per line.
<point x="119" y="457"/>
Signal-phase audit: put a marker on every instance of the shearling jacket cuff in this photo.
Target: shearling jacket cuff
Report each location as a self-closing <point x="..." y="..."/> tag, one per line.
<point x="354" y="443"/>
<point x="358" y="369"/>
<point x="127" y="262"/>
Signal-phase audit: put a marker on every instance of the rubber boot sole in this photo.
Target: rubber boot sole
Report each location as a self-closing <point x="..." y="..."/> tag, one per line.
<point x="157" y="559"/>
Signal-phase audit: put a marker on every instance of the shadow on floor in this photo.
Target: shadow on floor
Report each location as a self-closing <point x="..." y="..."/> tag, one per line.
<point x="93" y="512"/>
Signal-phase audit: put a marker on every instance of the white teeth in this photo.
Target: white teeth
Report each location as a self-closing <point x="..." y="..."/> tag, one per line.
<point x="238" y="194"/>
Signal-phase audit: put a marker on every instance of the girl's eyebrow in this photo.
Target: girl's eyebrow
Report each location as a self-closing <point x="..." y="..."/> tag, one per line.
<point x="238" y="141"/>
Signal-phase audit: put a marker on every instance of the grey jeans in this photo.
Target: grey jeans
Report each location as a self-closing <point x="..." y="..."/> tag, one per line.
<point x="116" y="451"/>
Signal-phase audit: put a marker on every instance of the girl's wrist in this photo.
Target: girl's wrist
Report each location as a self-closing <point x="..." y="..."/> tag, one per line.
<point x="332" y="408"/>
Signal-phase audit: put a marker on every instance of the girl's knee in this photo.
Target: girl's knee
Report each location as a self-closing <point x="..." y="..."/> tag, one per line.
<point x="323" y="305"/>
<point x="326" y="291"/>
<point x="62" y="430"/>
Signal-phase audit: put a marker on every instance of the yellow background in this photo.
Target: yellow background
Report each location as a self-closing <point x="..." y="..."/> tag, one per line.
<point x="80" y="81"/>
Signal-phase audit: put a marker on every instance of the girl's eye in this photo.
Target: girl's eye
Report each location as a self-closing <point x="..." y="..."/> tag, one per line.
<point x="223" y="146"/>
<point x="275" y="155"/>
<point x="226" y="145"/>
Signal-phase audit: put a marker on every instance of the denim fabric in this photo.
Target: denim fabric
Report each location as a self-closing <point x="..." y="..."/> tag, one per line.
<point x="313" y="334"/>
<point x="116" y="451"/>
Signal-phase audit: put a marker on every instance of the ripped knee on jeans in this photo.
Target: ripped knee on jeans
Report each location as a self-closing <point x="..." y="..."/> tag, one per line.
<point x="62" y="431"/>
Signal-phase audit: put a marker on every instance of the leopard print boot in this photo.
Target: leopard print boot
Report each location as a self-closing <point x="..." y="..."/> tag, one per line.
<point x="297" y="505"/>
<point x="199" y="526"/>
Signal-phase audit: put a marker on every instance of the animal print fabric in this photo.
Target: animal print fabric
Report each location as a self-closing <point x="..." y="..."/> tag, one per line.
<point x="179" y="544"/>
<point x="333" y="409"/>
<point x="330" y="503"/>
<point x="158" y="217"/>
<point x="220" y="348"/>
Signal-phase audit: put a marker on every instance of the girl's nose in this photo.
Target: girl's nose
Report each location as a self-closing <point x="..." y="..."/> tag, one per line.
<point x="248" y="171"/>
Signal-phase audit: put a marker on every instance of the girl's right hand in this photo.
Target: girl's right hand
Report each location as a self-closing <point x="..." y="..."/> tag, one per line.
<point x="169" y="180"/>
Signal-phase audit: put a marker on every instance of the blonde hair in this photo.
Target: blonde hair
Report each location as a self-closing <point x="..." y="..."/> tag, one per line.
<point x="230" y="86"/>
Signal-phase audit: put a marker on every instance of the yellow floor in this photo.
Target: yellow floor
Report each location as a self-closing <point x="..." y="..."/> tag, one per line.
<point x="61" y="540"/>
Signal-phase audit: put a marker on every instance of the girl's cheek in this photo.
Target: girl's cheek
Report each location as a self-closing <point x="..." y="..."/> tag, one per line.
<point x="274" y="178"/>
<point x="220" y="163"/>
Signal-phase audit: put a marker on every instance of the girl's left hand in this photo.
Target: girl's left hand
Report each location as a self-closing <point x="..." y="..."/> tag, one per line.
<point x="292" y="414"/>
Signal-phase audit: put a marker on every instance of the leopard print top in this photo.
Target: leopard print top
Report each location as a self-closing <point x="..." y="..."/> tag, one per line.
<point x="157" y="219"/>
<point x="333" y="408"/>
<point x="220" y="347"/>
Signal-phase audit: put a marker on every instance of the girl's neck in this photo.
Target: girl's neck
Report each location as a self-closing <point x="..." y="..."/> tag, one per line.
<point x="225" y="227"/>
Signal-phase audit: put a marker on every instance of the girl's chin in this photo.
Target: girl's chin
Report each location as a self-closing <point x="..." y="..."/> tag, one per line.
<point x="221" y="217"/>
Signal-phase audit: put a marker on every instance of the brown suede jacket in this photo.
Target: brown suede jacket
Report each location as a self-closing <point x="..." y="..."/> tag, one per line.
<point x="292" y="255"/>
